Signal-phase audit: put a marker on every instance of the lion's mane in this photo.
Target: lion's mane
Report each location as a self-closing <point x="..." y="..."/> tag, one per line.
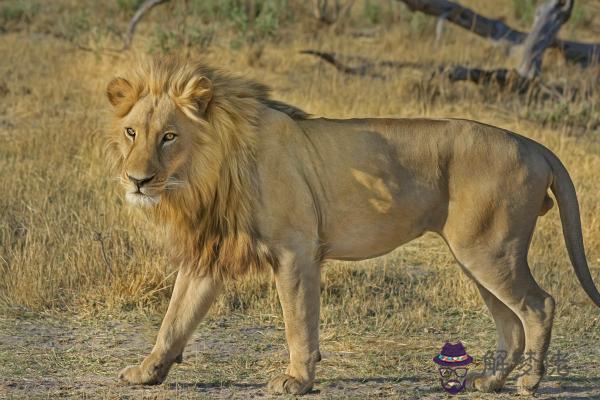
<point x="208" y="224"/>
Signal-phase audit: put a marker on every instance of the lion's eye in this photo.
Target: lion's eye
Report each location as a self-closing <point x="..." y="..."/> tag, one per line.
<point x="130" y="132"/>
<point x="169" y="136"/>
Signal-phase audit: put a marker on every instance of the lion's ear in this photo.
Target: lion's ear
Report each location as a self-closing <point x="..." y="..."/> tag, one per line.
<point x="121" y="95"/>
<point x="196" y="95"/>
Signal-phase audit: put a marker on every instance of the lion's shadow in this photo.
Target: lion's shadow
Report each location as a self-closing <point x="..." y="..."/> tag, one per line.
<point x="205" y="386"/>
<point x="570" y="386"/>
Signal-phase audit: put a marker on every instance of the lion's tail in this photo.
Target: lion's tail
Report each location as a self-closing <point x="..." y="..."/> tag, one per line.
<point x="564" y="191"/>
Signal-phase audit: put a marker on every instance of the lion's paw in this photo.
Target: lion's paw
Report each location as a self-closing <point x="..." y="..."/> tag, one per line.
<point x="483" y="383"/>
<point x="134" y="375"/>
<point x="286" y="384"/>
<point x="528" y="384"/>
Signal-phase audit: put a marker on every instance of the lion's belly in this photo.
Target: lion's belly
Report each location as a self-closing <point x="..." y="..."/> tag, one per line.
<point x="367" y="247"/>
<point x="374" y="212"/>
<point x="363" y="235"/>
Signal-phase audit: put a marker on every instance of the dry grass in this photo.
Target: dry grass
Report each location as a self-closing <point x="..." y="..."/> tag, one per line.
<point x="68" y="243"/>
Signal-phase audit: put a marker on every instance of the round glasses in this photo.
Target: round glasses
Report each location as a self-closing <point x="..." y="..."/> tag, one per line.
<point x="448" y="372"/>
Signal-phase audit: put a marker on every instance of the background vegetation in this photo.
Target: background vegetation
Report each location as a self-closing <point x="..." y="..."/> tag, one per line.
<point x="70" y="248"/>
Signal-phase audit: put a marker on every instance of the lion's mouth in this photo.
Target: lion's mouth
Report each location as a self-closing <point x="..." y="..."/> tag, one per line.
<point x="142" y="199"/>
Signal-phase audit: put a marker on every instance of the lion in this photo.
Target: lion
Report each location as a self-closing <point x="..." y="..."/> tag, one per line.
<point x="238" y="183"/>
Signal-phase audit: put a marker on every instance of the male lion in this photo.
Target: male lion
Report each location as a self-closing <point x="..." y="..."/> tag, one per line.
<point x="239" y="182"/>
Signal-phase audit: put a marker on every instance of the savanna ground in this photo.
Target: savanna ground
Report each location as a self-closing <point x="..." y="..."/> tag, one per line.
<point x="83" y="286"/>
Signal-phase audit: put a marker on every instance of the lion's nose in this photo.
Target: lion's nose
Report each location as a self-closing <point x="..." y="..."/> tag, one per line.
<point x="139" y="182"/>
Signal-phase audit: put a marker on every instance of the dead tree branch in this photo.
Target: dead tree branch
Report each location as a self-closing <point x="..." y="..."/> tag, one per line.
<point x="468" y="19"/>
<point x="365" y="66"/>
<point x="502" y="77"/>
<point x="549" y="19"/>
<point x="100" y="239"/>
<point x="508" y="79"/>
<point x="364" y="69"/>
<point x="139" y="14"/>
<point x="495" y="29"/>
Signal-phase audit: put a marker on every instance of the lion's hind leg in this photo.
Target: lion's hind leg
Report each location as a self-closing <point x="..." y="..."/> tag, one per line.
<point x="509" y="280"/>
<point x="489" y="227"/>
<point x="511" y="342"/>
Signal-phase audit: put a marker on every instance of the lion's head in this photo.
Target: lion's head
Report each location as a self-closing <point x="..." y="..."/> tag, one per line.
<point x="161" y="131"/>
<point x="182" y="144"/>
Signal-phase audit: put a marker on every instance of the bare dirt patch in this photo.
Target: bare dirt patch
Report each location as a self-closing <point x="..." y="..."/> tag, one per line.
<point x="232" y="357"/>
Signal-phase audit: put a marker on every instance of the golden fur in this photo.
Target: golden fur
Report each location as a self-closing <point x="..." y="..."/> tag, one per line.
<point x="239" y="182"/>
<point x="209" y="223"/>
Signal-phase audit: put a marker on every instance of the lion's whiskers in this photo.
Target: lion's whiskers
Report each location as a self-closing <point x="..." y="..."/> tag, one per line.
<point x="173" y="183"/>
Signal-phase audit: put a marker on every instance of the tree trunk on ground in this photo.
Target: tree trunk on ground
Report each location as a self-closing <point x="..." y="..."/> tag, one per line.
<point x="497" y="30"/>
<point x="549" y="18"/>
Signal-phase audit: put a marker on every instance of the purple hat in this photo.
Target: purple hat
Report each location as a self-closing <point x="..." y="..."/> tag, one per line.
<point x="453" y="355"/>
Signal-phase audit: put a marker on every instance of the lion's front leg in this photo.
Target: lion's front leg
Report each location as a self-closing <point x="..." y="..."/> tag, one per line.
<point x="298" y="283"/>
<point x="191" y="299"/>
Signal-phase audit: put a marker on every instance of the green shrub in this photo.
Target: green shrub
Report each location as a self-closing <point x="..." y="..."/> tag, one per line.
<point x="164" y="41"/>
<point x="372" y="12"/>
<point x="261" y="17"/>
<point x="200" y="37"/>
<point x="129" y="6"/>
<point x="18" y="11"/>
<point x="419" y="23"/>
<point x="79" y="23"/>
<point x="524" y="10"/>
<point x="267" y="20"/>
<point x="578" y="17"/>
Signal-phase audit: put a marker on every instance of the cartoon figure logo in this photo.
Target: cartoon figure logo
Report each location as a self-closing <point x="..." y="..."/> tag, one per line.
<point x="452" y="364"/>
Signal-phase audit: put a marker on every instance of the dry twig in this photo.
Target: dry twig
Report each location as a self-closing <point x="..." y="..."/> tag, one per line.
<point x="139" y="14"/>
<point x="365" y="67"/>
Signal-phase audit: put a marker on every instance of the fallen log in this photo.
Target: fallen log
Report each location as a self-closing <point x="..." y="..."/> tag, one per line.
<point x="502" y="76"/>
<point x="454" y="73"/>
<point x="497" y="30"/>
<point x="508" y="79"/>
<point x="365" y="66"/>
